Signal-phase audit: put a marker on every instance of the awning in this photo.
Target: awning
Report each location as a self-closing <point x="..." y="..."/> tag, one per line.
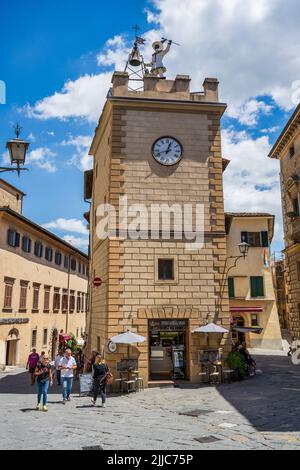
<point x="245" y="329"/>
<point x="246" y="309"/>
<point x="64" y="337"/>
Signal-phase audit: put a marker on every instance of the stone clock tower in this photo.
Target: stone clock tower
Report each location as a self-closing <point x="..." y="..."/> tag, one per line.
<point x="158" y="146"/>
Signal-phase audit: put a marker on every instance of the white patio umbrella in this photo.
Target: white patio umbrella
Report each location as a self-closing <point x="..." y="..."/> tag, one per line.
<point x="210" y="328"/>
<point x="128" y="338"/>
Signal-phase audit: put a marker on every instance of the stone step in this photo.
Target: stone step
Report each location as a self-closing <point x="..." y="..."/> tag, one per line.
<point x="160" y="383"/>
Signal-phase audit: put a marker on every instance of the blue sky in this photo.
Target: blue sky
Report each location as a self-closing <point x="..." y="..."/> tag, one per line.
<point x="56" y="60"/>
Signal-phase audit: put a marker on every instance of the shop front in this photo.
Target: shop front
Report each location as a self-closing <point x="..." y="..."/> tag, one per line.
<point x="168" y="349"/>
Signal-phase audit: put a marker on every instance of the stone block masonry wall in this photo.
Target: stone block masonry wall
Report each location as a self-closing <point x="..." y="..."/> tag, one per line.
<point x="132" y="294"/>
<point x="292" y="258"/>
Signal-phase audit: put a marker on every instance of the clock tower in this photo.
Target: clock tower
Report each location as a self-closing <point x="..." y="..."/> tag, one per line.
<point x="158" y="148"/>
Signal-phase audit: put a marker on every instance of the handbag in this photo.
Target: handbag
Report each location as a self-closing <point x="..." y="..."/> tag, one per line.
<point x="109" y="378"/>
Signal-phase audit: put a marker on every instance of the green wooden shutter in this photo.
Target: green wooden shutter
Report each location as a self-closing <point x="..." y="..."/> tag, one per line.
<point x="245" y="237"/>
<point x="264" y="239"/>
<point x="257" y="286"/>
<point x="231" y="287"/>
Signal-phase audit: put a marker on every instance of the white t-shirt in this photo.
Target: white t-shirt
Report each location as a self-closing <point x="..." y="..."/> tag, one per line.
<point x="65" y="362"/>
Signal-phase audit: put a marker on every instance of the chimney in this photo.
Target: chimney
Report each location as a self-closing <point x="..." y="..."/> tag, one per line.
<point x="210" y="86"/>
<point x="120" y="83"/>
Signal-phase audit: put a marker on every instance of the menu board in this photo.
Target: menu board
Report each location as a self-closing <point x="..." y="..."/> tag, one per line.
<point x="85" y="383"/>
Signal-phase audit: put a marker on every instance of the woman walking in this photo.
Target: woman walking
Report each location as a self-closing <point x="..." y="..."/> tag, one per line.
<point x="44" y="375"/>
<point x="100" y="372"/>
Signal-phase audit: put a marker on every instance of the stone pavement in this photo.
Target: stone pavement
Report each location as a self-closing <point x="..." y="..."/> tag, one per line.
<point x="258" y="413"/>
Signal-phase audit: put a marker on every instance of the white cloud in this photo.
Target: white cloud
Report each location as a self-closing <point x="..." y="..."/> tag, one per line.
<point x="81" y="98"/>
<point x="251" y="181"/>
<point x="81" y="159"/>
<point x="5" y="158"/>
<point x="241" y="42"/>
<point x="270" y="130"/>
<point x="249" y="112"/>
<point x="67" y="225"/>
<point x="42" y="158"/>
<point x="31" y="137"/>
<point x="77" y="242"/>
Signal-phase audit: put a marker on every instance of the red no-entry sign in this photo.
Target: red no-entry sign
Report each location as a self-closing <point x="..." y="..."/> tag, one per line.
<point x="97" y="282"/>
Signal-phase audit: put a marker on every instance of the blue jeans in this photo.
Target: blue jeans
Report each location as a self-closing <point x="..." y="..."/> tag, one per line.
<point x="67" y="383"/>
<point x="58" y="376"/>
<point x="43" y="390"/>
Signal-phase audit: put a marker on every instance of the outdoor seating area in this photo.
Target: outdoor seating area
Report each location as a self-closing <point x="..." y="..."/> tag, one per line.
<point x="129" y="379"/>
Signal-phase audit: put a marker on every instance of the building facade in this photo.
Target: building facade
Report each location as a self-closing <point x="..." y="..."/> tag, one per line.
<point x="280" y="286"/>
<point x="155" y="286"/>
<point x="43" y="285"/>
<point x="250" y="285"/>
<point x="287" y="150"/>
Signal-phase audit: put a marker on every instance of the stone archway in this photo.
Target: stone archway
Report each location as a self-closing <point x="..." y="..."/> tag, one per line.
<point x="12" y="347"/>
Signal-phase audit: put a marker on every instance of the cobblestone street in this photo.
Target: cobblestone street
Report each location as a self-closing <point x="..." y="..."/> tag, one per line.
<point x="259" y="413"/>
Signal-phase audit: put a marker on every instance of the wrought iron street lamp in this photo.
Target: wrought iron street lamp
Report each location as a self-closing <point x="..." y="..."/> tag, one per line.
<point x="17" y="149"/>
<point x="243" y="249"/>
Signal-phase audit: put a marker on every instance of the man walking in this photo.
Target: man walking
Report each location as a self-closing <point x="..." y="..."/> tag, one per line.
<point x="32" y="361"/>
<point x="67" y="366"/>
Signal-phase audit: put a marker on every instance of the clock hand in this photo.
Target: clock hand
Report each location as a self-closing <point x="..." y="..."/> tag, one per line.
<point x="169" y="147"/>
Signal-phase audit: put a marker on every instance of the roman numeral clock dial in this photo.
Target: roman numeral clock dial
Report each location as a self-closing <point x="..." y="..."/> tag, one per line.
<point x="167" y="151"/>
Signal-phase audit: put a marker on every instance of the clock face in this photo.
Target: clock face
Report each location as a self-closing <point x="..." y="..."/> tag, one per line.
<point x="112" y="347"/>
<point x="167" y="151"/>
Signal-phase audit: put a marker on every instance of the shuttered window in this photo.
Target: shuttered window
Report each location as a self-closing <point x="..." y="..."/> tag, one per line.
<point x="257" y="286"/>
<point x="256" y="239"/>
<point x="66" y="262"/>
<point x="13" y="238"/>
<point x="72" y="301"/>
<point x="73" y="264"/>
<point x="65" y="299"/>
<point x="8" y="295"/>
<point x="33" y="338"/>
<point x="265" y="239"/>
<point x="23" y="296"/>
<point x="58" y="258"/>
<point x="78" y="305"/>
<point x="36" y="294"/>
<point x="26" y="244"/>
<point x="56" y="300"/>
<point x="45" y="337"/>
<point x="47" y="299"/>
<point x="49" y="254"/>
<point x="38" y="249"/>
<point x="231" y="287"/>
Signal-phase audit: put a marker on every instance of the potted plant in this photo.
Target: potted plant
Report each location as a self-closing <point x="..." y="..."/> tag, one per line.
<point x="237" y="362"/>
